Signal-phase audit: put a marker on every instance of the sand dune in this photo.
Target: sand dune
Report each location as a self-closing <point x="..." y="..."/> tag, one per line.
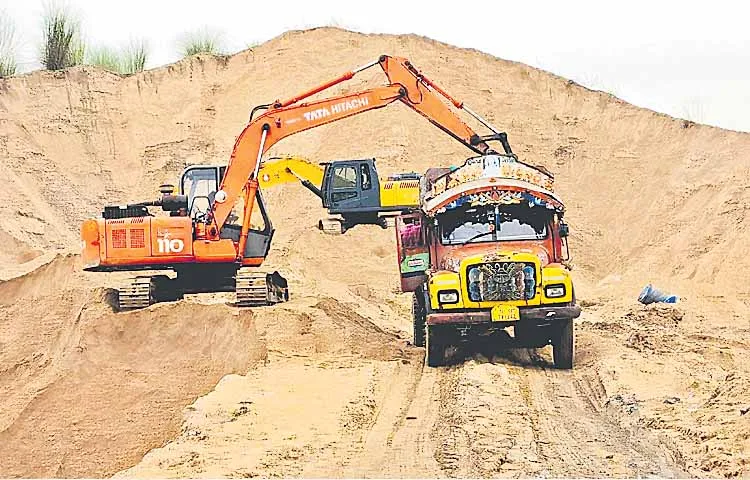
<point x="328" y="385"/>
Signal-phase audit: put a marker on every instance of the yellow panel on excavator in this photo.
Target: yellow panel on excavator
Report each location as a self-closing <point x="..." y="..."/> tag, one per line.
<point x="399" y="193"/>
<point x="274" y="172"/>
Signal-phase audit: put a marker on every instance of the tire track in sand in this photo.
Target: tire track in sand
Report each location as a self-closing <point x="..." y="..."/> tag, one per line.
<point x="461" y="421"/>
<point x="573" y="437"/>
<point x="506" y="418"/>
<point x="399" y="443"/>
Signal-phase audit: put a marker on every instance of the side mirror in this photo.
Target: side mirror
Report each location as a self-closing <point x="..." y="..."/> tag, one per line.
<point x="564" y="230"/>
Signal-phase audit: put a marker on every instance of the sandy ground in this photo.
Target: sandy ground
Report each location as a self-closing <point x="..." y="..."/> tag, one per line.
<point x="328" y="384"/>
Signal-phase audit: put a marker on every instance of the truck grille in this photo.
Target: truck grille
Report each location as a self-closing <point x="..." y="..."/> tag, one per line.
<point x="501" y="281"/>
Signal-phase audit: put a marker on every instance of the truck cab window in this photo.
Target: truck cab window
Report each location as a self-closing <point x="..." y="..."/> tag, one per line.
<point x="475" y="225"/>
<point x="480" y="224"/>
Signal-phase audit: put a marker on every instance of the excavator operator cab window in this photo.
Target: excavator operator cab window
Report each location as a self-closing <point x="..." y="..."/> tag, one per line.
<point x="257" y="216"/>
<point x="199" y="184"/>
<point x="344" y="183"/>
<point x="344" y="177"/>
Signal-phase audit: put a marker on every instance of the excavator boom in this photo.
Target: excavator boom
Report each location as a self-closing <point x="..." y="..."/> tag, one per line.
<point x="281" y="170"/>
<point x="285" y="118"/>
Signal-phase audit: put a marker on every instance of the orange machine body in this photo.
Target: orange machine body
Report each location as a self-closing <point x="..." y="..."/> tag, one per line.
<point x="151" y="242"/>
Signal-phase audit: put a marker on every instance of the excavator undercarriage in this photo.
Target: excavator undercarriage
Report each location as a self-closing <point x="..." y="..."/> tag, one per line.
<point x="252" y="288"/>
<point x="336" y="226"/>
<point x="256" y="289"/>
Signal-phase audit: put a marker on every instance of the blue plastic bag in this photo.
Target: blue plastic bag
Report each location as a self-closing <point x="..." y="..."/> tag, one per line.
<point x="649" y="294"/>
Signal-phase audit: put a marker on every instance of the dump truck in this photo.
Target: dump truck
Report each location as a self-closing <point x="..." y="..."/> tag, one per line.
<point x="350" y="189"/>
<point x="486" y="254"/>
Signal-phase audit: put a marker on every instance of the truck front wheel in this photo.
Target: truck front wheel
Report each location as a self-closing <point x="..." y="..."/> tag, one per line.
<point x="562" y="346"/>
<point x="435" y="346"/>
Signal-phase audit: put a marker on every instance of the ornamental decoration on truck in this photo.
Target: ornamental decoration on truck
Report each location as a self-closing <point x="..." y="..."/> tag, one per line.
<point x="498" y="197"/>
<point x="492" y="166"/>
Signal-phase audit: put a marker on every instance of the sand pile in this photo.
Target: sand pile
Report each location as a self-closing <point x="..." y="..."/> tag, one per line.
<point x="85" y="391"/>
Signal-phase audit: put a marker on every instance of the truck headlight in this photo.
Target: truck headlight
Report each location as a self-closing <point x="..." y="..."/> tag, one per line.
<point x="448" y="296"/>
<point x="554" y="291"/>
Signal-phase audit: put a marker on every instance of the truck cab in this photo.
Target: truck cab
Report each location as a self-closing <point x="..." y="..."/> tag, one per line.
<point x="486" y="253"/>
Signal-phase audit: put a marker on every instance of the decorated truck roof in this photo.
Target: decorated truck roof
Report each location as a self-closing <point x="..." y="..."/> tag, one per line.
<point x="489" y="180"/>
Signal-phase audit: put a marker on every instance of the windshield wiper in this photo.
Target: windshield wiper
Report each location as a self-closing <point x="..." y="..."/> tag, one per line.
<point x="478" y="235"/>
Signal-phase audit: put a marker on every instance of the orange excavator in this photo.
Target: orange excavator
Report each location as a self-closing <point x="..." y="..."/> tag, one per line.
<point x="217" y="231"/>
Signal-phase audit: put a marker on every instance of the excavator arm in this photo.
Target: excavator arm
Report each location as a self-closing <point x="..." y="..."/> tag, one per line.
<point x="285" y="118"/>
<point x="293" y="169"/>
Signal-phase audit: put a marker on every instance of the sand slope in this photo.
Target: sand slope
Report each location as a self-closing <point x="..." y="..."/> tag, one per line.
<point x="650" y="199"/>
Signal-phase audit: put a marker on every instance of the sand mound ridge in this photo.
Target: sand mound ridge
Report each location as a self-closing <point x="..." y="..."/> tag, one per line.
<point x="85" y="391"/>
<point x="83" y="387"/>
<point x="648" y="195"/>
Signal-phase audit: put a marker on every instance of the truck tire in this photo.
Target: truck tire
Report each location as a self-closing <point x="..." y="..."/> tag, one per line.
<point x="418" y="315"/>
<point x="435" y="346"/>
<point x="563" y="346"/>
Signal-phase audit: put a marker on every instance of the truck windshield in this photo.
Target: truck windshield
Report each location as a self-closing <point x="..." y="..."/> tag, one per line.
<point x="488" y="224"/>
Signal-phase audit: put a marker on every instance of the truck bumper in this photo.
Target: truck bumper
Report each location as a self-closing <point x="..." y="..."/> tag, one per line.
<point x="535" y="314"/>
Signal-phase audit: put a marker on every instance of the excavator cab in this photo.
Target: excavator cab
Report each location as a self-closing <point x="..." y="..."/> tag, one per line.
<point x="351" y="185"/>
<point x="199" y="184"/>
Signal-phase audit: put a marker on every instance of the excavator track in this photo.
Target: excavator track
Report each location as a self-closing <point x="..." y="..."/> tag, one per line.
<point x="257" y="289"/>
<point x="140" y="292"/>
<point x="333" y="226"/>
<point x="136" y="293"/>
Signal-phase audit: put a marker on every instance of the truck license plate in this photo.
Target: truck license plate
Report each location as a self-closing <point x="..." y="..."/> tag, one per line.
<point x="505" y="313"/>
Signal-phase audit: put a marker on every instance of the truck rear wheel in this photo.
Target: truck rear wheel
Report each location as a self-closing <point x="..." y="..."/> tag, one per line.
<point x="418" y="315"/>
<point x="562" y="347"/>
<point x="435" y="346"/>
